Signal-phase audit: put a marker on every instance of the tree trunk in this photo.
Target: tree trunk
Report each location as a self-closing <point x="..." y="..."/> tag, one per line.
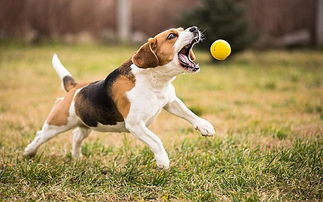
<point x="123" y="19"/>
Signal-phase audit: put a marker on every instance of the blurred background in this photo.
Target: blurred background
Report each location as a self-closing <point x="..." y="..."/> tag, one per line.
<point x="260" y="23"/>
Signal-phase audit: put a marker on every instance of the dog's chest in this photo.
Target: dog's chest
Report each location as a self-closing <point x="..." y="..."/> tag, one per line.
<point x="150" y="98"/>
<point x="147" y="100"/>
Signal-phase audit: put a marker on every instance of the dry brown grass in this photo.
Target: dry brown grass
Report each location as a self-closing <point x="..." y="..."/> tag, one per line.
<point x="252" y="96"/>
<point x="267" y="99"/>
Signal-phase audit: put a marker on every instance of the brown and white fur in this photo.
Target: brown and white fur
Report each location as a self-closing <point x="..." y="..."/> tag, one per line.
<point x="129" y="98"/>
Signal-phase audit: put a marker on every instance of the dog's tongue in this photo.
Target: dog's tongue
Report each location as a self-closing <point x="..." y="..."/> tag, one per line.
<point x="185" y="59"/>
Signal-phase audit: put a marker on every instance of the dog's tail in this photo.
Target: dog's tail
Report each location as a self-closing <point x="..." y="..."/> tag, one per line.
<point x="67" y="80"/>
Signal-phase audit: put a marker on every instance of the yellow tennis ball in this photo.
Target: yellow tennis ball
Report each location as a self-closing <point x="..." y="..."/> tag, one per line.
<point x="220" y="49"/>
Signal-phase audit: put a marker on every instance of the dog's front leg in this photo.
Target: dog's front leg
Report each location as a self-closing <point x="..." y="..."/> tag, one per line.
<point x="178" y="108"/>
<point x="139" y="130"/>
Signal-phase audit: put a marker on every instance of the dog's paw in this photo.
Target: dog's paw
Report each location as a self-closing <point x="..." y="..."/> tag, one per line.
<point x="77" y="156"/>
<point x="29" y="153"/>
<point x="204" y="127"/>
<point x="162" y="161"/>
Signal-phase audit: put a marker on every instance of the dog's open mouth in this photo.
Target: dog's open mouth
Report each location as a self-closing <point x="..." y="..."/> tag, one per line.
<point x="184" y="57"/>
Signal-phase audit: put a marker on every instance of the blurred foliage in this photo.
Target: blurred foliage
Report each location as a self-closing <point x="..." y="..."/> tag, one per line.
<point x="220" y="19"/>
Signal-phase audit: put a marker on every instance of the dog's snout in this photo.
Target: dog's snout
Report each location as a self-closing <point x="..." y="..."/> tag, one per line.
<point x="193" y="29"/>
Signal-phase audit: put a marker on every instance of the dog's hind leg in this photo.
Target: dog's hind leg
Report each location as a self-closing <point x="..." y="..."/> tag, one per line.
<point x="79" y="134"/>
<point x="44" y="135"/>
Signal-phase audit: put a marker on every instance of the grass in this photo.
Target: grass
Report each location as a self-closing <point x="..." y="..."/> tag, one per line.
<point x="266" y="107"/>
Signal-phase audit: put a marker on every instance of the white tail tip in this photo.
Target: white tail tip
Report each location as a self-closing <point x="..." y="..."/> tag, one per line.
<point x="55" y="59"/>
<point x="59" y="67"/>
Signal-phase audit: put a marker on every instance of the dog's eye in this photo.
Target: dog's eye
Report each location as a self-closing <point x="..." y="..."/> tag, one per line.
<point x="171" y="36"/>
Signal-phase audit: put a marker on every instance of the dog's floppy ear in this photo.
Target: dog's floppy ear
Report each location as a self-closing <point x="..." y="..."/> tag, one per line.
<point x="146" y="56"/>
<point x="192" y="55"/>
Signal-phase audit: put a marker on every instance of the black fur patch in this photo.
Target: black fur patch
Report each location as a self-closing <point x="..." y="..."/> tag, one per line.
<point x="94" y="103"/>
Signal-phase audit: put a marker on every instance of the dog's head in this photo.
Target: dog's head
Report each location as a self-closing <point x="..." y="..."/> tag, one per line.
<point x="170" y="50"/>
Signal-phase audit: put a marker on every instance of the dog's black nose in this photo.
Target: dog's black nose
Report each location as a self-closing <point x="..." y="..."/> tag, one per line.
<point x="193" y="29"/>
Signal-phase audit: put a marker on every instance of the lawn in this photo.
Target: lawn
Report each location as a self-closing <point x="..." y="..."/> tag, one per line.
<point x="267" y="108"/>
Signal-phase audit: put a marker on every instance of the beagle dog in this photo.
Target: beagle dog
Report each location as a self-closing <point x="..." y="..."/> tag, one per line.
<point x="129" y="98"/>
